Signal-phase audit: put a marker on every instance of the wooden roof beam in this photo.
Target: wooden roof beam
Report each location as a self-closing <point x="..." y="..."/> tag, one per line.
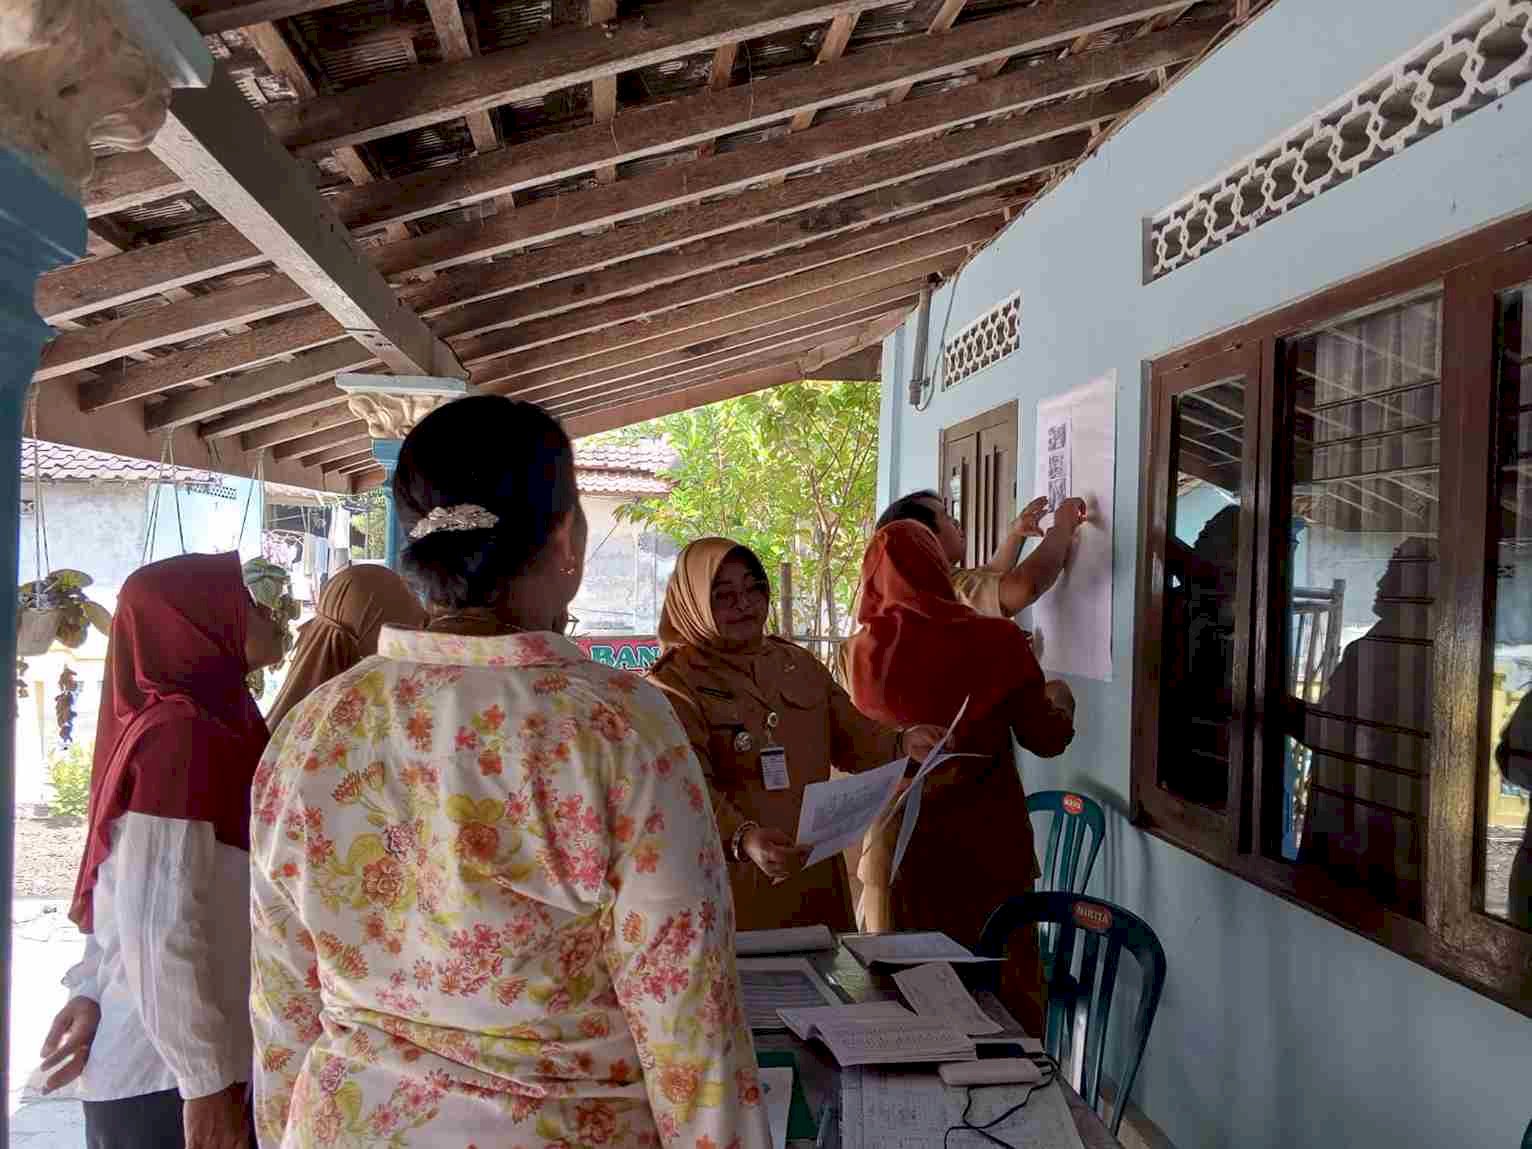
<point x="308" y="444"/>
<point x="452" y="35"/>
<point x="319" y="397"/>
<point x="560" y="58"/>
<point x="217" y="143"/>
<point x="280" y="378"/>
<point x="212" y="16"/>
<point x="816" y="265"/>
<point x="605" y="372"/>
<point x="801" y="333"/>
<point x="700" y="394"/>
<point x="693" y="325"/>
<point x="279" y="437"/>
<point x="682" y="298"/>
<point x="603" y="89"/>
<point x="331" y="454"/>
<point x="831" y="48"/>
<point x="696" y="119"/>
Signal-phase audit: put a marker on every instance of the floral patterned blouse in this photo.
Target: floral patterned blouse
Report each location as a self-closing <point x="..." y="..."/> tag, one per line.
<point x="490" y="909"/>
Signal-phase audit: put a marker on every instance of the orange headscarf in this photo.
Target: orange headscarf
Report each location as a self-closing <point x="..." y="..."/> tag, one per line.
<point x="353" y="607"/>
<point x="921" y="650"/>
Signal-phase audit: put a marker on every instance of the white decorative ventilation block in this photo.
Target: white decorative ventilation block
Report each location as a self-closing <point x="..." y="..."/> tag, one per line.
<point x="1478" y="59"/>
<point x="985" y="341"/>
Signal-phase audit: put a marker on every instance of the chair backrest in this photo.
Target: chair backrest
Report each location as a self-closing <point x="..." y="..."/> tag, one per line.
<point x="1075" y="818"/>
<point x="1103" y="931"/>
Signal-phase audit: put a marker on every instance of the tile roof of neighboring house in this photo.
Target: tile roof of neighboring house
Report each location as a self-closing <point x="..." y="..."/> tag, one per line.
<point x="602" y="469"/>
<point x="61" y="464"/>
<point x="625" y="469"/>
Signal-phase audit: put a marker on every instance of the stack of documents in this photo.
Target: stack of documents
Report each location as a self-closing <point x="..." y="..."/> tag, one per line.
<point x="879" y="1033"/>
<point x="909" y="949"/>
<point x="935" y="991"/>
<point x="796" y="939"/>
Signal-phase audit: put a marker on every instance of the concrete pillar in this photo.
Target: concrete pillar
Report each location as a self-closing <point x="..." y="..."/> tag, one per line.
<point x="386" y="452"/>
<point x="41" y="227"/>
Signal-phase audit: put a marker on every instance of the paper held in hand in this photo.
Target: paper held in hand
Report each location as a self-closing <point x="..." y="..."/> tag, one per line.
<point x="835" y="815"/>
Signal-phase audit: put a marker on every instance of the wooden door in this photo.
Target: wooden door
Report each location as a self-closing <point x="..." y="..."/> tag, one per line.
<point x="978" y="478"/>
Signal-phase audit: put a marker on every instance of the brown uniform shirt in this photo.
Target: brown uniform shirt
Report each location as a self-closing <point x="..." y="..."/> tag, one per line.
<point x="726" y="704"/>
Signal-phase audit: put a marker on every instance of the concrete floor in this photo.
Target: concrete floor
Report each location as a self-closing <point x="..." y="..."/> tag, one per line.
<point x="44" y="944"/>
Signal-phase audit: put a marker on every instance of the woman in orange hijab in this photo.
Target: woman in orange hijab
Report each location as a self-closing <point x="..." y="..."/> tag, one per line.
<point x="919" y="653"/>
<point x="353" y="607"/>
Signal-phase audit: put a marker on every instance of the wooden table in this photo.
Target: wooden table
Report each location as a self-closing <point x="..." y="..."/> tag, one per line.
<point x="820" y="1075"/>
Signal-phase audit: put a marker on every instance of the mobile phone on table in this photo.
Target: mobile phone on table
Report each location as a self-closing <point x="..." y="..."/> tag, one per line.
<point x="998" y="1050"/>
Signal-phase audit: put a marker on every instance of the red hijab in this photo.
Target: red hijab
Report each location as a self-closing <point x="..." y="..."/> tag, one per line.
<point x="920" y="649"/>
<point x="178" y="734"/>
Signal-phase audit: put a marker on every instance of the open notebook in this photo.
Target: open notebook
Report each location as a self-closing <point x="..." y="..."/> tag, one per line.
<point x="879" y="1033"/>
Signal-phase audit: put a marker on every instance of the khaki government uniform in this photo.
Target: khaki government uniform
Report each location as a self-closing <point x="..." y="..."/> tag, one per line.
<point x="732" y="705"/>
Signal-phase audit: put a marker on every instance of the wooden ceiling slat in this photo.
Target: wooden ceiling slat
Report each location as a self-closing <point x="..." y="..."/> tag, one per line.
<point x="278" y="437"/>
<point x="743" y="383"/>
<point x="560" y="58"/>
<point x="694" y="277"/>
<point x="325" y="460"/>
<point x="656" y="306"/>
<point x="860" y="151"/>
<point x="692" y="325"/>
<point x="603" y="89"/>
<point x="317" y="398"/>
<point x="212" y="16"/>
<point x="800" y="334"/>
<point x="282" y="337"/>
<point x="127" y="180"/>
<point x="695" y="119"/>
<point x="81" y="288"/>
<point x="603" y="373"/>
<point x="452" y="36"/>
<point x="807" y="269"/>
<point x="354" y="432"/>
<point x="221" y="398"/>
<point x="87" y="347"/>
<point x="831" y="48"/>
<point x="216" y="142"/>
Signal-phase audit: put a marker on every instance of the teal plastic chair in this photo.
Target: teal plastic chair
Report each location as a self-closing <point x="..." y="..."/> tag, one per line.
<point x="1075" y="818"/>
<point x="1097" y="932"/>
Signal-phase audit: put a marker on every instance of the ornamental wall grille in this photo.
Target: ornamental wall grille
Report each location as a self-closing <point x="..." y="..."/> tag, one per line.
<point x="1479" y="58"/>
<point x="984" y="342"/>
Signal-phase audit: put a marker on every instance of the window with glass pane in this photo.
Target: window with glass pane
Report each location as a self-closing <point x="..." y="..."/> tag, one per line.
<point x="1507" y="777"/>
<point x="1362" y="400"/>
<point x="1197" y="727"/>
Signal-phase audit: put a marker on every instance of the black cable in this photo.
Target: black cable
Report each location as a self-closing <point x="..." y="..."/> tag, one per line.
<point x="1043" y="1061"/>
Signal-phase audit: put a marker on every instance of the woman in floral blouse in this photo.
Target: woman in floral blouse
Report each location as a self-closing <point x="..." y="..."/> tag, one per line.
<point x="490" y="905"/>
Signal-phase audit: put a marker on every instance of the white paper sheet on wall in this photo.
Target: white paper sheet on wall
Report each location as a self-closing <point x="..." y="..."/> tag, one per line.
<point x="1076" y="457"/>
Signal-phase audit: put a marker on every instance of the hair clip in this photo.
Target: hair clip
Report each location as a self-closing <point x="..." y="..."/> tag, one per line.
<point x="462" y="517"/>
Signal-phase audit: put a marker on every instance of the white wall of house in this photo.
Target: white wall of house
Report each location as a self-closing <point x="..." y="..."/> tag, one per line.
<point x="1277" y="1028"/>
<point x="626" y="569"/>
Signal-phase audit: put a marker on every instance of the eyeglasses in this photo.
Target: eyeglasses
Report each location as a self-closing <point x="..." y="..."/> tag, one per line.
<point x="571" y="624"/>
<point x="728" y="598"/>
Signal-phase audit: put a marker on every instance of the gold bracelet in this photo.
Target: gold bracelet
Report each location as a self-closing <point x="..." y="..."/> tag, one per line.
<point x="739" y="838"/>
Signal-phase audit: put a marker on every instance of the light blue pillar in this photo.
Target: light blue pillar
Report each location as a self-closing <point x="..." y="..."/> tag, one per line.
<point x="41" y="227"/>
<point x="386" y="451"/>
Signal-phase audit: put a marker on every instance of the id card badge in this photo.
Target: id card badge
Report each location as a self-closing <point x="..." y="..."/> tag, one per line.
<point x="774" y="768"/>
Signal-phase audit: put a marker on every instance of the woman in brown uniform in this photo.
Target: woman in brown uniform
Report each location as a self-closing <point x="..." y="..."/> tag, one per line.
<point x="765" y="719"/>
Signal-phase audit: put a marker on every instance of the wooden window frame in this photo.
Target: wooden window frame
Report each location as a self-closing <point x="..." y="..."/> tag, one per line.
<point x="1456" y="938"/>
<point x="1005" y="414"/>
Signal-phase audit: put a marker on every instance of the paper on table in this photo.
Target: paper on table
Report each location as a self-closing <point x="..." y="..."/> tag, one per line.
<point x="805" y="1022"/>
<point x="934" y="990"/>
<point x="773" y="984"/>
<point x="909" y="949"/>
<point x="905" y="1040"/>
<point x="794" y="939"/>
<point x="777" y="1085"/>
<point x="883" y="1109"/>
<point x="835" y="814"/>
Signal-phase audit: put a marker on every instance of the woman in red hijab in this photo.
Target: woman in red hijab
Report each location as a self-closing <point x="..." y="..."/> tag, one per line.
<point x="919" y="652"/>
<point x="158" y="1027"/>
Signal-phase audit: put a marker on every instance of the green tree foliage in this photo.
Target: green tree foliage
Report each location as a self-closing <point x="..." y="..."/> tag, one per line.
<point x="69" y="773"/>
<point x="791" y="473"/>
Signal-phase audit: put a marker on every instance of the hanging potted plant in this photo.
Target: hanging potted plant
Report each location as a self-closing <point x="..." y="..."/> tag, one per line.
<point x="55" y="608"/>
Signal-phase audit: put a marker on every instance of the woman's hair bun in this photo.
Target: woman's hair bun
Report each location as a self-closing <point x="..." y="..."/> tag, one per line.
<point x="511" y="458"/>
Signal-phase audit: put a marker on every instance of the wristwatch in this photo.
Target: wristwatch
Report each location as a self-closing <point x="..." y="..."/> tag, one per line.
<point x="737" y="841"/>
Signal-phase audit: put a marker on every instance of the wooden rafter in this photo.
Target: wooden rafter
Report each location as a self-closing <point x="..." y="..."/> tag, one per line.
<point x="452" y="35"/>
<point x="216" y="142"/>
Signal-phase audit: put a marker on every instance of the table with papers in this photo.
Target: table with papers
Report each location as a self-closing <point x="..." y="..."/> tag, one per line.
<point x="896" y="1108"/>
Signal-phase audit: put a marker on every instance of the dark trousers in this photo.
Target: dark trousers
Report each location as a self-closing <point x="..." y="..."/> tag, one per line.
<point x="152" y="1121"/>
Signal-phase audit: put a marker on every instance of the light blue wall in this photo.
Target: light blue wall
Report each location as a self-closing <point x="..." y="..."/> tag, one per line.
<point x="1277" y="1028"/>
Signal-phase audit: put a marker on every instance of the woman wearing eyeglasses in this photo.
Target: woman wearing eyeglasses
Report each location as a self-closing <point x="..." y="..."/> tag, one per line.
<point x="765" y="719"/>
